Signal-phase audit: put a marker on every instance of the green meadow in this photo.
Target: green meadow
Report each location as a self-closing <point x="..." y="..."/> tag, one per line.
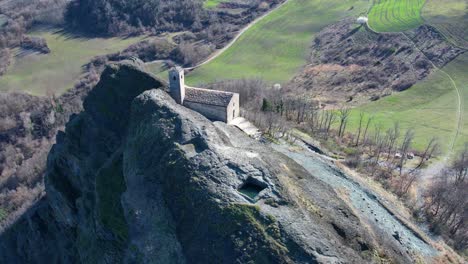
<point x="450" y="18"/>
<point x="212" y="3"/>
<point x="395" y="15"/>
<point x="57" y="71"/>
<point x="277" y="46"/>
<point x="430" y="108"/>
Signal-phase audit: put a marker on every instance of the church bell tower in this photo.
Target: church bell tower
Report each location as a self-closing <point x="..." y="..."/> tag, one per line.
<point x="177" y="84"/>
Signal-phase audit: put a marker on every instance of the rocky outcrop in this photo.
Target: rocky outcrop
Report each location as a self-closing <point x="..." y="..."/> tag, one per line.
<point x="137" y="178"/>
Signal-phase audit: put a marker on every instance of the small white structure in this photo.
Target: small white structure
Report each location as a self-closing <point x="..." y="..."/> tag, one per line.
<point x="213" y="104"/>
<point x="362" y="20"/>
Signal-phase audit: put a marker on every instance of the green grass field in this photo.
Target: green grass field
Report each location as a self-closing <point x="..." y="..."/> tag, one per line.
<point x="277" y="46"/>
<point x="57" y="71"/>
<point x="209" y="4"/>
<point x="395" y="15"/>
<point x="430" y="108"/>
<point x="450" y="18"/>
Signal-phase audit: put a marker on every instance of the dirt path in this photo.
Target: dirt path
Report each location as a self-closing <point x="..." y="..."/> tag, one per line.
<point x="239" y="34"/>
<point x="459" y="98"/>
<point x="217" y="53"/>
<point x="435" y="168"/>
<point x="454" y="85"/>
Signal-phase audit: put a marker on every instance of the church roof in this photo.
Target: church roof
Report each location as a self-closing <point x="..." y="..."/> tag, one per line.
<point x="206" y="96"/>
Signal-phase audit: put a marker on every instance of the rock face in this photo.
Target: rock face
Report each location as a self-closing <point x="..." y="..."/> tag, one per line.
<point x="137" y="178"/>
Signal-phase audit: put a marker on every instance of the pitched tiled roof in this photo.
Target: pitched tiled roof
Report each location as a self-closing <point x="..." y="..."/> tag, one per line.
<point x="206" y="96"/>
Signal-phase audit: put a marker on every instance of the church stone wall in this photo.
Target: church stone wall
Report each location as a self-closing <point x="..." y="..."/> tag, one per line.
<point x="213" y="112"/>
<point x="233" y="108"/>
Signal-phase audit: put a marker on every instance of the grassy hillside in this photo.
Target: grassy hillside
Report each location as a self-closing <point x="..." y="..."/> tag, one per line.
<point x="395" y="15"/>
<point x="450" y="18"/>
<point x="430" y="107"/>
<point x="277" y="46"/>
<point x="56" y="72"/>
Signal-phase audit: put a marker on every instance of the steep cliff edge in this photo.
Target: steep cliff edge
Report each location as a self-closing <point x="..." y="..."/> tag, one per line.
<point x="137" y="178"/>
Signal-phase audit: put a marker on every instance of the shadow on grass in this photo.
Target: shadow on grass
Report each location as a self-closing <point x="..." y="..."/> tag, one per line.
<point x="73" y="34"/>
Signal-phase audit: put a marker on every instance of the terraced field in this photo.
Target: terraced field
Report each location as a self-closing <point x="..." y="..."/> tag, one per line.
<point x="277" y="46"/>
<point x="395" y="15"/>
<point x="56" y="72"/>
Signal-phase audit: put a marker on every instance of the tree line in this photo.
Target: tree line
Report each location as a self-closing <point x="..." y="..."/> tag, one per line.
<point x="446" y="202"/>
<point x="124" y="16"/>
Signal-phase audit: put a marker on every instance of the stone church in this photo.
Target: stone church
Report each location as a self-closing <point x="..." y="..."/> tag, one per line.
<point x="214" y="105"/>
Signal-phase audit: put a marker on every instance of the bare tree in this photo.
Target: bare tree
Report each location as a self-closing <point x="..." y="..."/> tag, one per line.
<point x="330" y="120"/>
<point x="446" y="203"/>
<point x="393" y="135"/>
<point x="461" y="165"/>
<point x="431" y="148"/>
<point x="343" y="114"/>
<point x="405" y="146"/>
<point x="369" y="121"/>
<point x="361" y="119"/>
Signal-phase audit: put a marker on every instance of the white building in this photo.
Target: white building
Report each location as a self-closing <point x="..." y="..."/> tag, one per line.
<point x="362" y="20"/>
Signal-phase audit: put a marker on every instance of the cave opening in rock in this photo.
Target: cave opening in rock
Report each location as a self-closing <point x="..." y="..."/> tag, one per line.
<point x="251" y="188"/>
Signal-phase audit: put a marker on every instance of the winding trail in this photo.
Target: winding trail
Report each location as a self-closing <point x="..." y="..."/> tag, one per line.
<point x="459" y="97"/>
<point x="239" y="34"/>
<point x="434" y="169"/>
<point x="454" y="84"/>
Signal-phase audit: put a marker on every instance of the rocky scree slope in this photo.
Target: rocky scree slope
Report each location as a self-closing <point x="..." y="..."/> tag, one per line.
<point x="137" y="178"/>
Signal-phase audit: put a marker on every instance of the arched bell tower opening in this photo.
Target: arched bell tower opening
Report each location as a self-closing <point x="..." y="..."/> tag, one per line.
<point x="177" y="84"/>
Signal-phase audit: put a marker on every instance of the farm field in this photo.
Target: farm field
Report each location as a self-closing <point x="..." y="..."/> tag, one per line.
<point x="57" y="71"/>
<point x="450" y="19"/>
<point x="430" y="108"/>
<point x="277" y="46"/>
<point x="395" y="15"/>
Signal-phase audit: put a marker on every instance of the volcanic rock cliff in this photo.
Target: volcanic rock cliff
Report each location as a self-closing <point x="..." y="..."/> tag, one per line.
<point x="137" y="178"/>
